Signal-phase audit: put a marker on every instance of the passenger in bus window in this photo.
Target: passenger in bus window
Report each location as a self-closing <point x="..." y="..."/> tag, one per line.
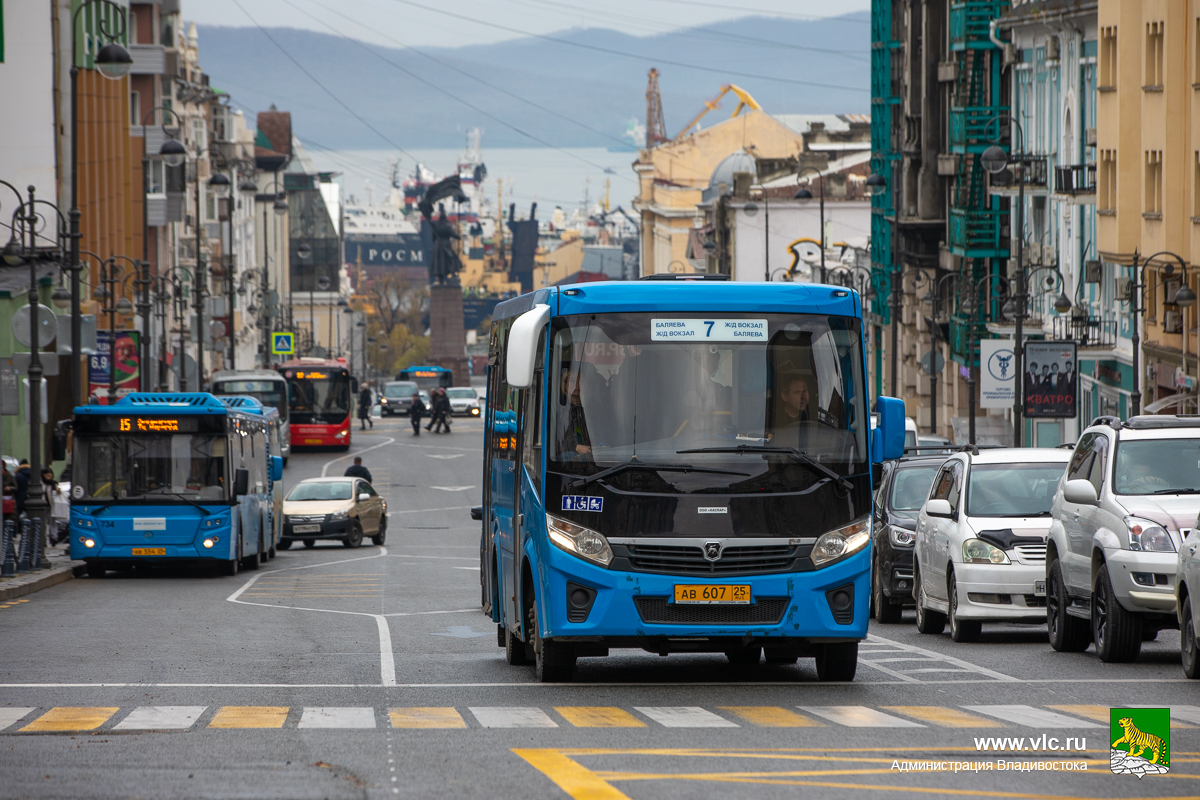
<point x="575" y="438"/>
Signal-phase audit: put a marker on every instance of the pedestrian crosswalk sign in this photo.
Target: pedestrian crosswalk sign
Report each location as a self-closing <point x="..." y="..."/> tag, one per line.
<point x="283" y="344"/>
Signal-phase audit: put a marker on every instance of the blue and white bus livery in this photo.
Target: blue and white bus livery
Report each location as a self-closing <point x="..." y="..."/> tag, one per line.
<point x="680" y="467"/>
<point x="275" y="447"/>
<point x="162" y="478"/>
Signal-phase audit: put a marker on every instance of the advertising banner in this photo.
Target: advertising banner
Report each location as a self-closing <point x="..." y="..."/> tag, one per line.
<point x="997" y="364"/>
<point x="128" y="364"/>
<point x="1050" y="383"/>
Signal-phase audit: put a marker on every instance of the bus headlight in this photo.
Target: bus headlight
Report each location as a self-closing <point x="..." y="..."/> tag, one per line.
<point x="579" y="541"/>
<point x="209" y="542"/>
<point x="86" y="542"/>
<point x="841" y="542"/>
<point x="341" y="434"/>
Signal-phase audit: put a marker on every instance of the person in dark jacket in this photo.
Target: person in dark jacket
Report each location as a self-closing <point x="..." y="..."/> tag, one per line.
<point x="415" y="412"/>
<point x="364" y="409"/>
<point x="23" y="477"/>
<point x="441" y="411"/>
<point x="357" y="470"/>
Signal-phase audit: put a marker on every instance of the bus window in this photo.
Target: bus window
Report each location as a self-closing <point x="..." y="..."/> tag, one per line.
<point x="271" y="393"/>
<point x="139" y="466"/>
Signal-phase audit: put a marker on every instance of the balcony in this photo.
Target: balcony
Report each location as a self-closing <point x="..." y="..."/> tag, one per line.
<point x="1007" y="182"/>
<point x="976" y="233"/>
<point x="1088" y="331"/>
<point x="1075" y="180"/>
<point x="968" y="127"/>
<point x="969" y="23"/>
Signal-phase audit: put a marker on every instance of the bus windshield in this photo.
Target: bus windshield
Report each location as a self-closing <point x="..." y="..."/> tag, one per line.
<point x="319" y="397"/>
<point x="622" y="391"/>
<point x="151" y="467"/>
<point x="269" y="393"/>
<point x="427" y="377"/>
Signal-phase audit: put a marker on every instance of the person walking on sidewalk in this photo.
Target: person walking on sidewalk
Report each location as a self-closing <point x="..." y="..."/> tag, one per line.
<point x="357" y="470"/>
<point x="415" y="412"/>
<point x="364" y="408"/>
<point x="23" y="477"/>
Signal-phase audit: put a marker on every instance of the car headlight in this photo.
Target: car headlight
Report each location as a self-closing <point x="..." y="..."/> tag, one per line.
<point x="977" y="551"/>
<point x="901" y="537"/>
<point x="579" y="541"/>
<point x="338" y="516"/>
<point x="841" y="542"/>
<point x="1148" y="536"/>
<point x="383" y="401"/>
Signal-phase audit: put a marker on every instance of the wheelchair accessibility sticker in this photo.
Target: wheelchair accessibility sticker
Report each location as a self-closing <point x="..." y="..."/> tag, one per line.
<point x="580" y="502"/>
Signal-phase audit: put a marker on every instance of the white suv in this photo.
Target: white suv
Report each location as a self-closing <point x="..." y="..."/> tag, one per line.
<point x="1130" y="491"/>
<point x="981" y="540"/>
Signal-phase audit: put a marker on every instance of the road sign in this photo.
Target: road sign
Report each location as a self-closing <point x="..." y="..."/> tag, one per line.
<point x="47" y="325"/>
<point x="283" y="344"/>
<point x="937" y="365"/>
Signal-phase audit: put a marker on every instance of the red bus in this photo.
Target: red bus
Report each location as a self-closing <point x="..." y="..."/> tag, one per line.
<point x="320" y="402"/>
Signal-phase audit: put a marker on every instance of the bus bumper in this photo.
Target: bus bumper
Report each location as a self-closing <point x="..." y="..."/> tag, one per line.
<point x="637" y="609"/>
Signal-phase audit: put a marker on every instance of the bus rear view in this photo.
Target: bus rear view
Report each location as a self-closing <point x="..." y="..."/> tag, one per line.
<point x="680" y="468"/>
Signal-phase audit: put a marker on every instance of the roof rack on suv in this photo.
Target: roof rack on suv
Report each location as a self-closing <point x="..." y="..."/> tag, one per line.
<point x="685" y="276"/>
<point x="1150" y="421"/>
<point x="1112" y="422"/>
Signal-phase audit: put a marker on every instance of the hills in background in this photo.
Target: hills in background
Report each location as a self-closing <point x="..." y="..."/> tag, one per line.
<point x="601" y="90"/>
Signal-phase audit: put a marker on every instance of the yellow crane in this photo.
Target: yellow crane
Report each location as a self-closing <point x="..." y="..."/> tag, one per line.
<point x="744" y="101"/>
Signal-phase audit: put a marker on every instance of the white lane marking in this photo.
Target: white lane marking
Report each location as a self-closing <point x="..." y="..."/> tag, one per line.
<point x="444" y="456"/>
<point x="440" y="558"/>
<point x="900" y="648"/>
<point x="473" y="569"/>
<point x="9" y="716"/>
<point x="1032" y="717"/>
<point x="161" y="718"/>
<point x="531" y="685"/>
<point x="685" y="717"/>
<point x="512" y="717"/>
<point x="337" y="717"/>
<point x="1178" y="713"/>
<point x="859" y="717"/>
<point x="331" y="462"/>
<point x="387" y="660"/>
<point x="452" y="488"/>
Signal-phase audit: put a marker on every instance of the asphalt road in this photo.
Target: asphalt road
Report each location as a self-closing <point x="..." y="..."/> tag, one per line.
<point x="337" y="673"/>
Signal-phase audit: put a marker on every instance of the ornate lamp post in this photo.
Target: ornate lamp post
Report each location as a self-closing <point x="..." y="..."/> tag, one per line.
<point x="805" y="194"/>
<point x="1184" y="298"/>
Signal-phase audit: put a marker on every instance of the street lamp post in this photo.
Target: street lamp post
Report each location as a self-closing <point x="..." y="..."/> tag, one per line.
<point x="112" y="308"/>
<point x="1184" y="298"/>
<point x="167" y="151"/>
<point x="806" y="194"/>
<point x="934" y="298"/>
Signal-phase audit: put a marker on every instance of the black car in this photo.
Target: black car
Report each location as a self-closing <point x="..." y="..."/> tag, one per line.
<point x="900" y="495"/>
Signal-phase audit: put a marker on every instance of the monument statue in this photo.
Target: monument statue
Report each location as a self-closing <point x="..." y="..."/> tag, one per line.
<point x="445" y="262"/>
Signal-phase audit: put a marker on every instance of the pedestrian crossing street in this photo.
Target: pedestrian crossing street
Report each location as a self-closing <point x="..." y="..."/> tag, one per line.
<point x="76" y="719"/>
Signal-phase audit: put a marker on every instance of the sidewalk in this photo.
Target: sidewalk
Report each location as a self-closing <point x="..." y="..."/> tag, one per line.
<point x="61" y="569"/>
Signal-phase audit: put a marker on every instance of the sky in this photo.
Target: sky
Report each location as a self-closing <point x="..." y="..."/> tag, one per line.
<point x="419" y="23"/>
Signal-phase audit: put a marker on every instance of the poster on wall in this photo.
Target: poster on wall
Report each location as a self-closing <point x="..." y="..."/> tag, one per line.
<point x="996" y="369"/>
<point x="1050" y="383"/>
<point x="127" y="363"/>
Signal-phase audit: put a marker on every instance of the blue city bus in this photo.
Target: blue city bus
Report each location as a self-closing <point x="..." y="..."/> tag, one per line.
<point x="680" y="467"/>
<point x="426" y="377"/>
<point x="166" y="478"/>
<point x="275" y="447"/>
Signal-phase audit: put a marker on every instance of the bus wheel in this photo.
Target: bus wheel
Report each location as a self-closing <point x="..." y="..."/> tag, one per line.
<point x="254" y="560"/>
<point x="553" y="662"/>
<point x="381" y="537"/>
<point x="837" y="662"/>
<point x="514" y="650"/>
<point x="285" y="544"/>
<point x="310" y="543"/>
<point x="355" y="537"/>
<point x="285" y="458"/>
<point x="95" y="570"/>
<point x="230" y="567"/>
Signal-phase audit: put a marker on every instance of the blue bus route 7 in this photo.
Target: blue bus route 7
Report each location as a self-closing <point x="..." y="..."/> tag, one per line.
<point x="680" y="467"/>
<point x="161" y="478"/>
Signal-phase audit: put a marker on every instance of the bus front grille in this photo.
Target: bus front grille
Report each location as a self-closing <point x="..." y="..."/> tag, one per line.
<point x="764" y="611"/>
<point x="734" y="560"/>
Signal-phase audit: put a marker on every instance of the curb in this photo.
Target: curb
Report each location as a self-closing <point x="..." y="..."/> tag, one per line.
<point x="45" y="580"/>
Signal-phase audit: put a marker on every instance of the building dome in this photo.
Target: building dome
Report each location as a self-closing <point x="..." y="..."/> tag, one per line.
<point x="741" y="161"/>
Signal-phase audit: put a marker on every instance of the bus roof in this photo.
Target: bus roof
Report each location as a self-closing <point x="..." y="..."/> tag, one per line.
<point x="251" y="405"/>
<point x="423" y="369"/>
<point x="610" y="297"/>
<point x="246" y="375"/>
<point x="308" y="361"/>
<point x="191" y="403"/>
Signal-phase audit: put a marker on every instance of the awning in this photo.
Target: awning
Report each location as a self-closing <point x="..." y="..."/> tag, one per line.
<point x="1166" y="402"/>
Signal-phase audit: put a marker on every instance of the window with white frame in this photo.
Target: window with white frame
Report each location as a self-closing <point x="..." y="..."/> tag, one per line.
<point x="156" y="182"/>
<point x="199" y="133"/>
<point x="1153" y="172"/>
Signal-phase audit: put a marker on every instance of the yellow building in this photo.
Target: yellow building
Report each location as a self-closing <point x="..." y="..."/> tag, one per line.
<point x="1148" y="175"/>
<point x="555" y="265"/>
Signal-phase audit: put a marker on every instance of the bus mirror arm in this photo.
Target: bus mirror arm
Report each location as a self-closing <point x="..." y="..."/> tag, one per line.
<point x="522" y="346"/>
<point x="241" y="482"/>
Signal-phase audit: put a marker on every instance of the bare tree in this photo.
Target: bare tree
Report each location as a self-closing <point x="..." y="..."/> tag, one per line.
<point x="395" y="302"/>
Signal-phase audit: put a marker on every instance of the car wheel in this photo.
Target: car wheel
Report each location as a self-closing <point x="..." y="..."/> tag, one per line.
<point x="310" y="543"/>
<point x="927" y="621"/>
<point x="285" y="544"/>
<point x="1067" y="634"/>
<point x="885" y="611"/>
<point x="1117" y="632"/>
<point x="553" y="662"/>
<point x="355" y="537"/>
<point x="1187" y="642"/>
<point x="381" y="537"/>
<point x="961" y="630"/>
<point x="837" y="661"/>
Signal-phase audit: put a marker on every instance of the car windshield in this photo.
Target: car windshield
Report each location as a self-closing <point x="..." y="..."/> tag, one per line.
<point x="461" y="394"/>
<point x="1012" y="490"/>
<point x="1157" y="466"/>
<point x="269" y="393"/>
<point x="142" y="467"/>
<point x="911" y="487"/>
<point x="626" y="389"/>
<point x="405" y="389"/>
<point x="320" y="490"/>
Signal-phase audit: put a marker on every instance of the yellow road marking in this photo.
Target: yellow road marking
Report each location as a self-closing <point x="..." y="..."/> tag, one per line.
<point x="771" y="717"/>
<point x="69" y="718"/>
<point x="426" y="717"/>
<point x="944" y="717"/>
<point x="572" y="777"/>
<point x="1100" y="714"/>
<point x="599" y="717"/>
<point x="249" y="717"/>
<point x="14" y="602"/>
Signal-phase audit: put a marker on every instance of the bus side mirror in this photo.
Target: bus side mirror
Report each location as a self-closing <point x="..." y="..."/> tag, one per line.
<point x="241" y="482"/>
<point x="276" y="468"/>
<point x="477" y="513"/>
<point x="887" y="440"/>
<point x="522" y="346"/>
<point x="58" y="441"/>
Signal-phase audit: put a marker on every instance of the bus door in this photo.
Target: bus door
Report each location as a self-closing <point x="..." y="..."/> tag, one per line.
<point x="529" y="470"/>
<point x="502" y="472"/>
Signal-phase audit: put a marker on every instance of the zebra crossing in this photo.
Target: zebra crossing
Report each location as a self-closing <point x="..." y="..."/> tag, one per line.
<point x="76" y="719"/>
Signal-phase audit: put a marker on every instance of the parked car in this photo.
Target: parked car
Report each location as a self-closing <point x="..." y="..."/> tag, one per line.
<point x="927" y="444"/>
<point x="333" y="508"/>
<point x="464" y="401"/>
<point x="900" y="495"/>
<point x="910" y="432"/>
<point x="1187" y="589"/>
<point x="1130" y="493"/>
<point x="396" y="398"/>
<point x="981" y="540"/>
